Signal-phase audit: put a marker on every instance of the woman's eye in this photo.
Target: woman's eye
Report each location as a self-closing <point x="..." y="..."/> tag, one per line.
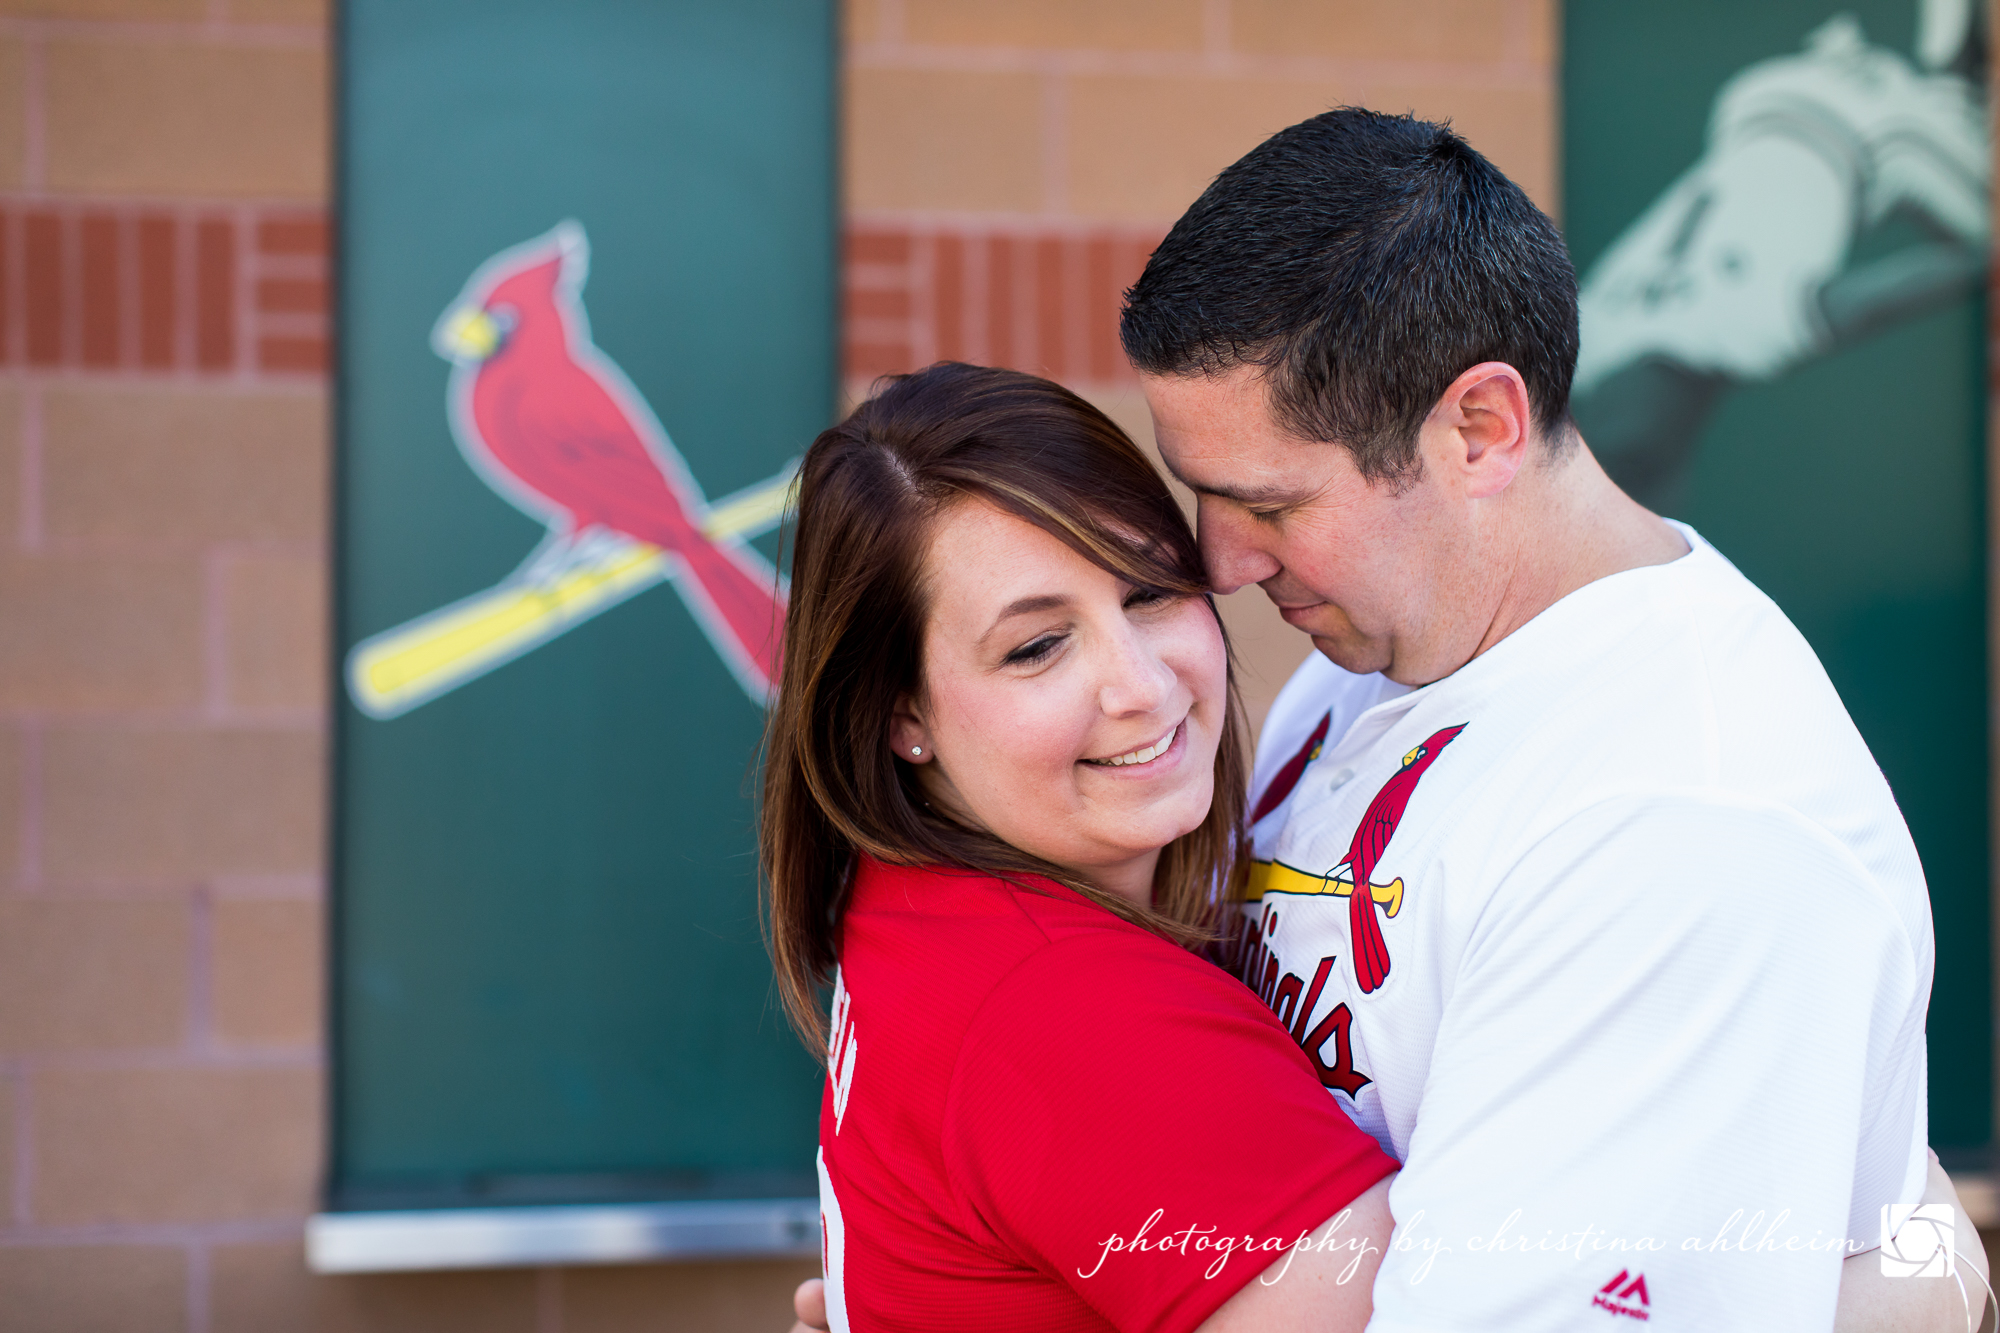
<point x="1144" y="597"/>
<point x="1035" y="650"/>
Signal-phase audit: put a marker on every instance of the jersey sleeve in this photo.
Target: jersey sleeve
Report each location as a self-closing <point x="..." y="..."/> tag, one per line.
<point x="1681" y="1023"/>
<point x="1132" y="1121"/>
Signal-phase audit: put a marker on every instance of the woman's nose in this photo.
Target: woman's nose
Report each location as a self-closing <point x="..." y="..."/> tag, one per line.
<point x="1136" y="680"/>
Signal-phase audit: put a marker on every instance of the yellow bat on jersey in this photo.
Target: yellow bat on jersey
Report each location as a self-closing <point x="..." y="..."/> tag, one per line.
<point x="390" y="673"/>
<point x="1277" y="877"/>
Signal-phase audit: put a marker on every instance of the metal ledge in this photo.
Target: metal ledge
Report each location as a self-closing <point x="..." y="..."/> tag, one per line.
<point x="386" y="1242"/>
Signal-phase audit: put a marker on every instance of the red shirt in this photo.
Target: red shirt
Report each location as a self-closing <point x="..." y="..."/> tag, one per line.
<point x="1017" y="1078"/>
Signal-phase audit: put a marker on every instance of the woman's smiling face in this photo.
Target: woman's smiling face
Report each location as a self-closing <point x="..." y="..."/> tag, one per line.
<point x="1065" y="712"/>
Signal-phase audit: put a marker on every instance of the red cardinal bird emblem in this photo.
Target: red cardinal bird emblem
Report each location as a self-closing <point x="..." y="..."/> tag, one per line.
<point x="1371" y="839"/>
<point x="1294" y="768"/>
<point x="552" y="424"/>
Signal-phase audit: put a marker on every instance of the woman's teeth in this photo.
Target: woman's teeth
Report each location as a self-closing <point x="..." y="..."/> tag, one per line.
<point x="1151" y="752"/>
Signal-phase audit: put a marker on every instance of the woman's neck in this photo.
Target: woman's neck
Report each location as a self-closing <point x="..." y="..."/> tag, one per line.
<point x="1131" y="880"/>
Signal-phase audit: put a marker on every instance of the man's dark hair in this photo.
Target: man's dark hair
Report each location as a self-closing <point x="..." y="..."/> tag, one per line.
<point x="1365" y="261"/>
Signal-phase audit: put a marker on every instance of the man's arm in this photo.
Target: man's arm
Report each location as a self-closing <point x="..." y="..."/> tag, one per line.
<point x="1678" y="1024"/>
<point x="1873" y="1302"/>
<point x="1325" y="1289"/>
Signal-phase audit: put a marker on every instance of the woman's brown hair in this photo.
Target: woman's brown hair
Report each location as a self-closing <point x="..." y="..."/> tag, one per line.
<point x="870" y="492"/>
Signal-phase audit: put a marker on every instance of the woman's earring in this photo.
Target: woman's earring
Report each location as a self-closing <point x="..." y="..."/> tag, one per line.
<point x="916" y="749"/>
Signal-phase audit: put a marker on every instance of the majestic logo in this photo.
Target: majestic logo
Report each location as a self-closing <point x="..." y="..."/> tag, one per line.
<point x="1620" y="1296"/>
<point x="551" y="423"/>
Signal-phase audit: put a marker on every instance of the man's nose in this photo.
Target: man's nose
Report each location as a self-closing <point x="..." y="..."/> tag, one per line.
<point x="1229" y="551"/>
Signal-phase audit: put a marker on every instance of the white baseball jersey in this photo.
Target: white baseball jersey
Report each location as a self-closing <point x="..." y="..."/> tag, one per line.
<point x="1637" y="987"/>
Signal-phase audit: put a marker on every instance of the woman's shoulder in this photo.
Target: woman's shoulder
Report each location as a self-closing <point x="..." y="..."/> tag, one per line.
<point x="1027" y="903"/>
<point x="909" y="925"/>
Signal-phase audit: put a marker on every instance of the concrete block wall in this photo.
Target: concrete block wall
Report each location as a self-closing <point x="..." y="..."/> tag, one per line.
<point x="163" y="565"/>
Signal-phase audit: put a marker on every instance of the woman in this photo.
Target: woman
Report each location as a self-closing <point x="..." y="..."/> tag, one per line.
<point x="1003" y="790"/>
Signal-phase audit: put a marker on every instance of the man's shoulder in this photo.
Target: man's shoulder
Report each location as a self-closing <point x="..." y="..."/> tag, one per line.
<point x="1316" y="688"/>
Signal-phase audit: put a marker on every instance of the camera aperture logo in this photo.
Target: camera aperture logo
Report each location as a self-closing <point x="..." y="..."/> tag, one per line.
<point x="1918" y="1240"/>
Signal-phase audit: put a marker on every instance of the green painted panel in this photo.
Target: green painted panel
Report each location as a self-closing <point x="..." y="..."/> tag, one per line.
<point x="549" y="979"/>
<point x="1784" y="268"/>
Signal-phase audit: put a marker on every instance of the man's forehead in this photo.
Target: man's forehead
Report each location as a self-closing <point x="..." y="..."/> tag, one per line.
<point x="1217" y="436"/>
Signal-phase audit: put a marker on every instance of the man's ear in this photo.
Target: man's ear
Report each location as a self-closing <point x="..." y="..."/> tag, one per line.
<point x="1484" y="427"/>
<point x="908" y="736"/>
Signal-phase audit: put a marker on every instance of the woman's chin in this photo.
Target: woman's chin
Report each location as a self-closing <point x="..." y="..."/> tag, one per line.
<point x="1150" y="834"/>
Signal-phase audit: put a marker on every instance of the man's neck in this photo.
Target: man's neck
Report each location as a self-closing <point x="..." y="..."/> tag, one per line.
<point x="1572" y="527"/>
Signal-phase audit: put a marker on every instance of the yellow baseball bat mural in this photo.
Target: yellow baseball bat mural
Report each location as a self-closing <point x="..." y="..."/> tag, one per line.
<point x="394" y="671"/>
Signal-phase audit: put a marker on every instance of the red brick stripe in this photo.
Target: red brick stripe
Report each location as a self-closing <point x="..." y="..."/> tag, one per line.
<point x="230" y="290"/>
<point x="1045" y="301"/>
<point x="198" y="289"/>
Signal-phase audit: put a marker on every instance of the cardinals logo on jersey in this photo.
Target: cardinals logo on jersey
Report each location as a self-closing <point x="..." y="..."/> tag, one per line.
<point x="551" y="424"/>
<point x="1371" y="840"/>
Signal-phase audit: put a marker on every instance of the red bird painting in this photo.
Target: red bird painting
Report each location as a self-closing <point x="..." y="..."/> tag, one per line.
<point x="1371" y="839"/>
<point x="552" y="424"/>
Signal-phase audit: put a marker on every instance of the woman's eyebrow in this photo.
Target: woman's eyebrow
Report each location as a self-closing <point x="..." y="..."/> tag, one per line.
<point x="1024" y="606"/>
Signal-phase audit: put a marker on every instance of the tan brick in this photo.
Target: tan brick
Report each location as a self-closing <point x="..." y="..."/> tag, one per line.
<point x="96" y="632"/>
<point x="10" y="456"/>
<point x="267" y="1289"/>
<point x="90" y="974"/>
<point x="1369" y="30"/>
<point x="183" y="466"/>
<point x="13" y="118"/>
<point x="269" y="971"/>
<point x="10" y="805"/>
<point x="1541" y="29"/>
<point x="99" y="1288"/>
<point x="174" y="1145"/>
<point x="8" y="1093"/>
<point x="103" y="9"/>
<point x="184" y="119"/>
<point x="153" y="806"/>
<point x="277" y="11"/>
<point x="860" y="21"/>
<point x="274" y="608"/>
<point x="748" y="1297"/>
<point x="920" y="139"/>
<point x="1515" y="127"/>
<point x="1144" y="147"/>
<point x="1115" y="25"/>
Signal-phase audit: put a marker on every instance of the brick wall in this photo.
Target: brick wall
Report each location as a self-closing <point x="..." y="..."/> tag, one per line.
<point x="196" y="288"/>
<point x="163" y="463"/>
<point x="162" y="572"/>
<point x="1010" y="165"/>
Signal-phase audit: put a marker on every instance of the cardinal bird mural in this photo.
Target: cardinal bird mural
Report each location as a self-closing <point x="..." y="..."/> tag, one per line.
<point x="551" y="424"/>
<point x="1371" y="839"/>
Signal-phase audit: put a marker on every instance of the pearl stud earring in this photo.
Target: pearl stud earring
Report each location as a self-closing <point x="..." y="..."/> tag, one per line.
<point x="916" y="749"/>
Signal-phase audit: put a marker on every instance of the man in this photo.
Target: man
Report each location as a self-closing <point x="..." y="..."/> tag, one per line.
<point x="1573" y="875"/>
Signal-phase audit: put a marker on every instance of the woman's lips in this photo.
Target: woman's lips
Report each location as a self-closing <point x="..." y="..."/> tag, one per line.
<point x="1152" y="754"/>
